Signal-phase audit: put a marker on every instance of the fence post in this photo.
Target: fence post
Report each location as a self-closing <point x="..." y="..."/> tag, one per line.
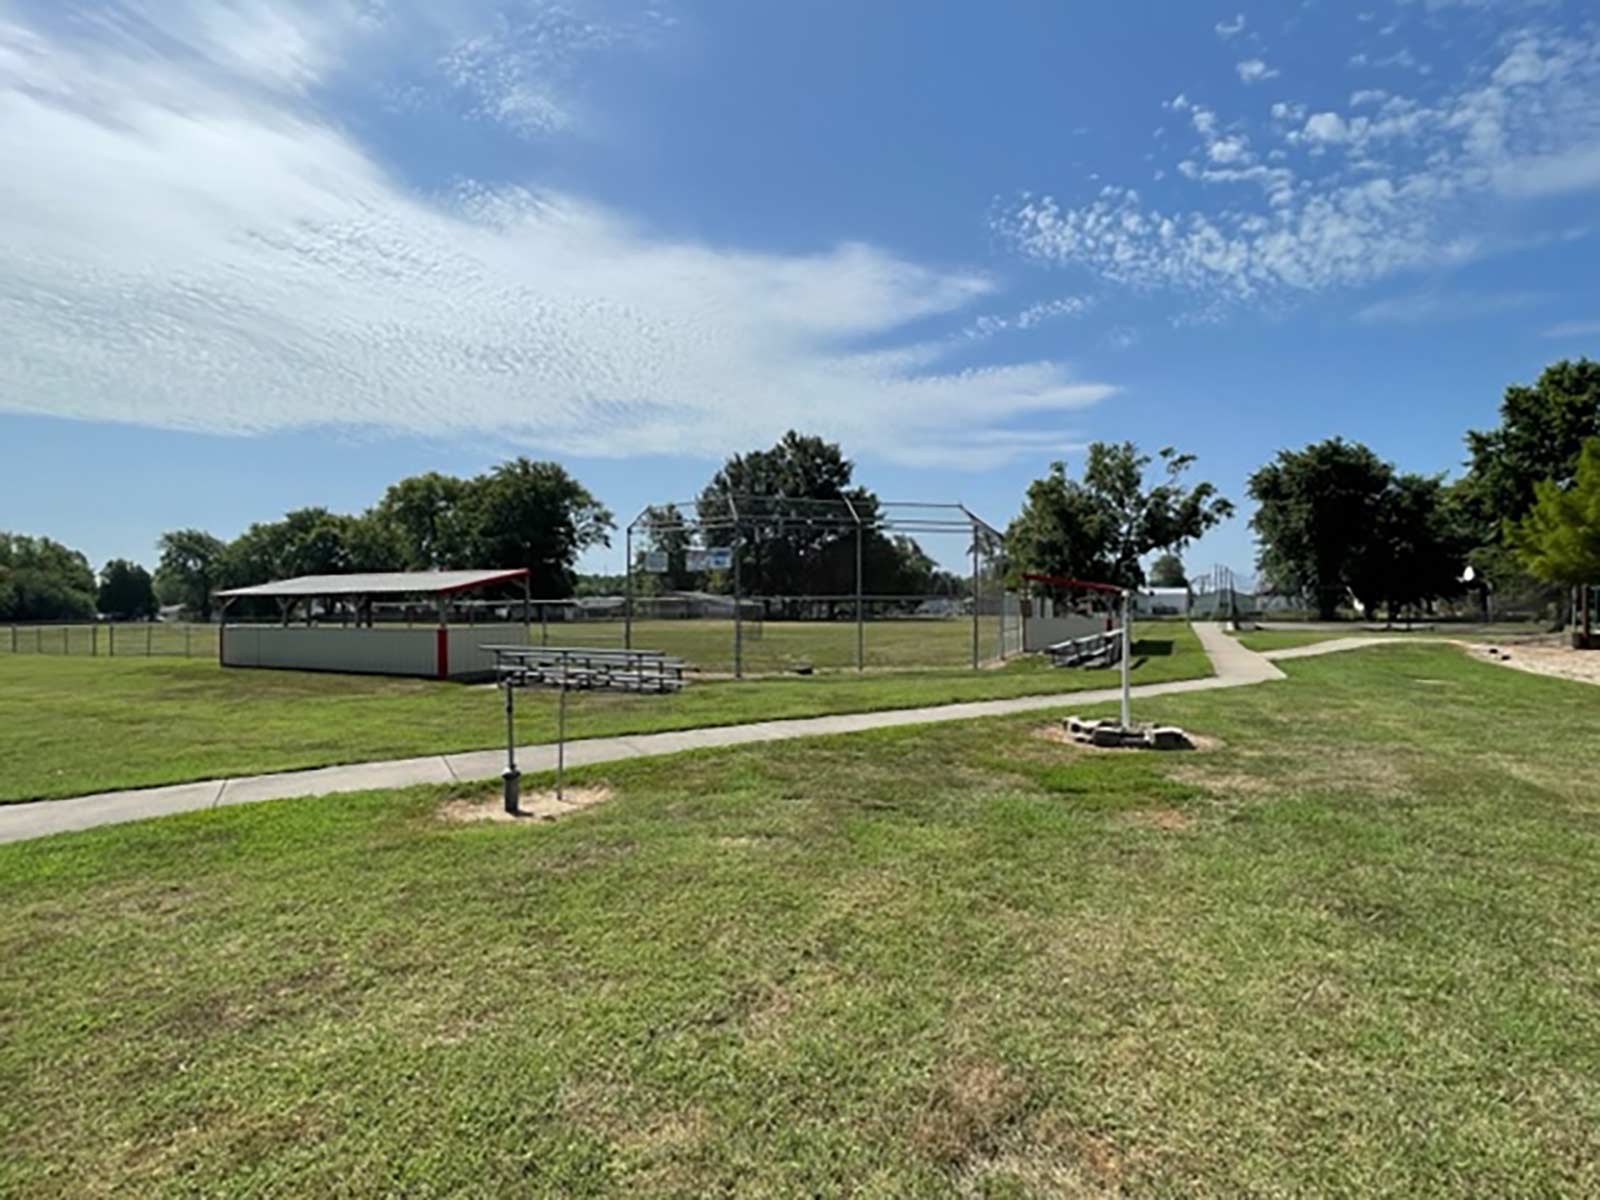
<point x="111" y="640"/>
<point x="149" y="629"/>
<point x="188" y="634"/>
<point x="974" y="600"/>
<point x="66" y="645"/>
<point x="13" y="639"/>
<point x="94" y="640"/>
<point x="38" y="639"/>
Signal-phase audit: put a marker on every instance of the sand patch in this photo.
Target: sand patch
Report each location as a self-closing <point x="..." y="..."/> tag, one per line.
<point x="1544" y="658"/>
<point x="534" y="806"/>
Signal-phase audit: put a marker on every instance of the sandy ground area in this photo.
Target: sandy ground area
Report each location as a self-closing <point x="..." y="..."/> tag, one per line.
<point x="1545" y="658"/>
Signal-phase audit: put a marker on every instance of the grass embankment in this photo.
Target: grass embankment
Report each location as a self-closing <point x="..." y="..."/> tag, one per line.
<point x="73" y="725"/>
<point x="1351" y="951"/>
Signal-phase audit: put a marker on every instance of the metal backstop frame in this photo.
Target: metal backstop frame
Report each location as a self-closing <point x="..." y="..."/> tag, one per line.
<point x="735" y="517"/>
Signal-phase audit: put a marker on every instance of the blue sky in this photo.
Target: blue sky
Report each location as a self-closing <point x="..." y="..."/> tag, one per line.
<point x="262" y="254"/>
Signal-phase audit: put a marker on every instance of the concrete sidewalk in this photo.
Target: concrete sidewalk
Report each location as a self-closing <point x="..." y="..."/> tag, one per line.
<point x="1234" y="665"/>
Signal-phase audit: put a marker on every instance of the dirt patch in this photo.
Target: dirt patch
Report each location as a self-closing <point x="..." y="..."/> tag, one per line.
<point x="1170" y="819"/>
<point x="1230" y="784"/>
<point x="1561" y="662"/>
<point x="535" y="806"/>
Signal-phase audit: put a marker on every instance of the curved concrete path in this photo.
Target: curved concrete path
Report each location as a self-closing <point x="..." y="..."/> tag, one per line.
<point x="1235" y="666"/>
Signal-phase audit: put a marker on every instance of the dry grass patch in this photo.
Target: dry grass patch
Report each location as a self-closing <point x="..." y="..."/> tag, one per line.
<point x="1171" y="820"/>
<point x="971" y="1104"/>
<point x="1049" y="1156"/>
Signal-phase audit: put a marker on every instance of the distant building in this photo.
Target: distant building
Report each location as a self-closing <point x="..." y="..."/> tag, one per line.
<point x="1161" y="602"/>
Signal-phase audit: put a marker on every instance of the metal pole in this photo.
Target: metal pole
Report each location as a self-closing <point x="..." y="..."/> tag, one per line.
<point x="527" y="608"/>
<point x="861" y="629"/>
<point x="1127" y="647"/>
<point x="738" y="609"/>
<point x="510" y="778"/>
<point x="65" y="648"/>
<point x="188" y="640"/>
<point x="627" y="592"/>
<point x="544" y="624"/>
<point x="111" y="638"/>
<point x="561" y="741"/>
<point x="148" y="631"/>
<point x="974" y="601"/>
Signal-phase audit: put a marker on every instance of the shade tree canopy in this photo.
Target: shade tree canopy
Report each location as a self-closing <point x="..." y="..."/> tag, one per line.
<point x="42" y="580"/>
<point x="1558" y="539"/>
<point x="1102" y="526"/>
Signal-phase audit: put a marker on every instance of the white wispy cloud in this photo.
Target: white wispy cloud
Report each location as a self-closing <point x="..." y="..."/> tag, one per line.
<point x="1573" y="329"/>
<point x="1255" y="70"/>
<point x="989" y="324"/>
<point x="1341" y="197"/>
<point x="1434" y="304"/>
<point x="1229" y="29"/>
<point x="192" y="245"/>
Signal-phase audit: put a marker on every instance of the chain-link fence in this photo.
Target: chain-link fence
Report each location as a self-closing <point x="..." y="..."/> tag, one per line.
<point x="762" y="635"/>
<point x="143" y="639"/>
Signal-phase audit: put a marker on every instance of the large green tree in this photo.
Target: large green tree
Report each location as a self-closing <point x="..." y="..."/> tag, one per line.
<point x="1415" y="551"/>
<point x="1102" y="526"/>
<point x="42" y="580"/>
<point x="190" y="569"/>
<point x="1335" y="520"/>
<point x="1541" y="434"/>
<point x="795" y="530"/>
<point x="534" y="515"/>
<point x="1316" y="510"/>
<point x="1558" y="539"/>
<point x="427" y="514"/>
<point x="126" y="592"/>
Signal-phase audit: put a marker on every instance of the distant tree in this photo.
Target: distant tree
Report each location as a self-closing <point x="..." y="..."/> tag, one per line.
<point x="796" y="529"/>
<point x="190" y="569"/>
<point x="126" y="593"/>
<point x="1558" y="539"/>
<point x="534" y="515"/>
<point x="1100" y="528"/>
<point x="427" y="514"/>
<point x="663" y="530"/>
<point x="1317" y="508"/>
<point x="42" y="580"/>
<point x="1167" y="572"/>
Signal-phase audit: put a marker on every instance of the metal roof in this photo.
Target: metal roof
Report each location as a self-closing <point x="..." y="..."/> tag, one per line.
<point x="381" y="583"/>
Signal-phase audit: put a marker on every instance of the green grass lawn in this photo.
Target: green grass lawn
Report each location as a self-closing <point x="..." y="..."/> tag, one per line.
<point x="1351" y="950"/>
<point x="74" y="725"/>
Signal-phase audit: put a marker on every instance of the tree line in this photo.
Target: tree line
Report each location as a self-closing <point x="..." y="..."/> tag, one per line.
<point x="1335" y="523"/>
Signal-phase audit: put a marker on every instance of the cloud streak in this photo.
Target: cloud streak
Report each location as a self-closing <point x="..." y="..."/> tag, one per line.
<point x="192" y="245"/>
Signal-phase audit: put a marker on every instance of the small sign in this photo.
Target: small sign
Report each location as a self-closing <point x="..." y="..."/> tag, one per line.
<point x="695" y="560"/>
<point x="656" y="560"/>
<point x="720" y="558"/>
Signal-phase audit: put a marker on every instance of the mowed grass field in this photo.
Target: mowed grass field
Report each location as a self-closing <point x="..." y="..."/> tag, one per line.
<point x="74" y="725"/>
<point x="1350" y="949"/>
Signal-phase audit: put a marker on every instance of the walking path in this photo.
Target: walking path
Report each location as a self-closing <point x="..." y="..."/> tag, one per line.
<point x="1235" y="666"/>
